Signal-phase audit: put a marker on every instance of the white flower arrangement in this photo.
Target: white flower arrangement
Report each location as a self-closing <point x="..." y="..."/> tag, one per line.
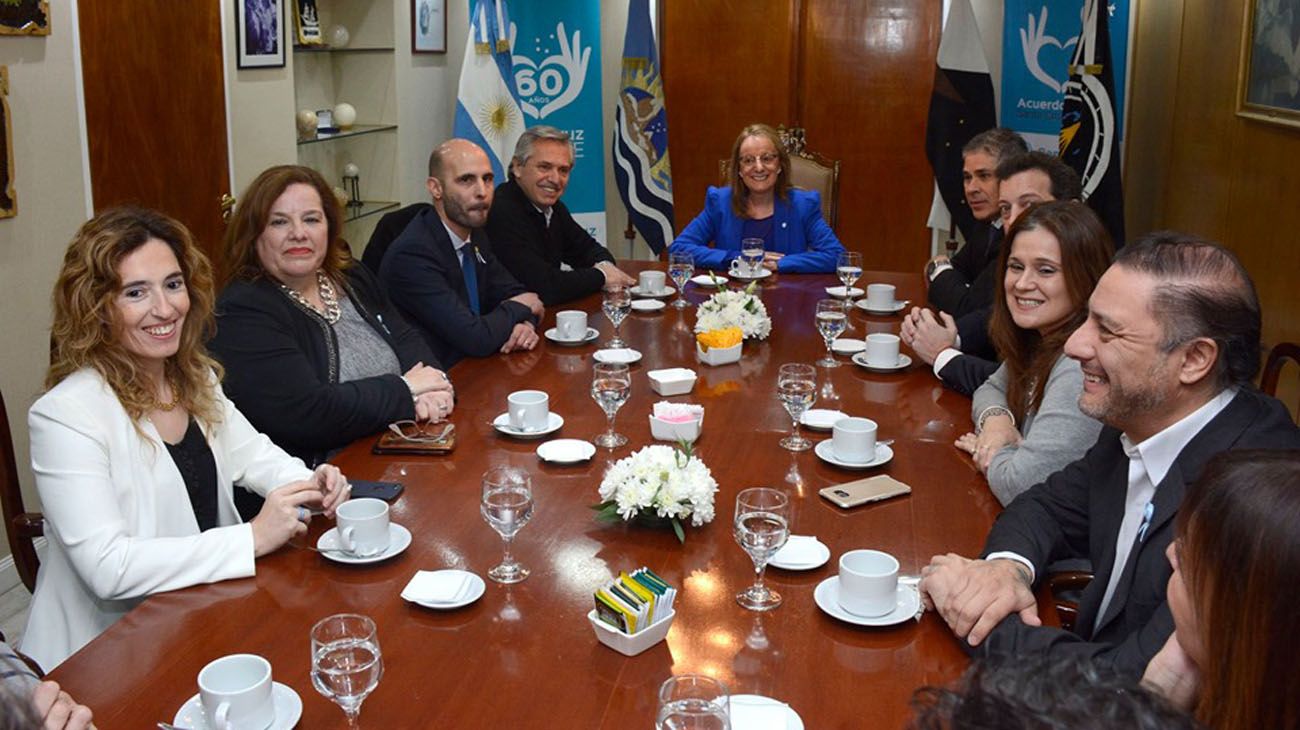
<point x="661" y="481"/>
<point x="735" y="308"/>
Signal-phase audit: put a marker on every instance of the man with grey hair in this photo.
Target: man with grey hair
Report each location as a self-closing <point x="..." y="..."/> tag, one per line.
<point x="534" y="233"/>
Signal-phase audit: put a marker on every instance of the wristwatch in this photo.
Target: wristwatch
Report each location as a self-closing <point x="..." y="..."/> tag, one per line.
<point x="929" y="269"/>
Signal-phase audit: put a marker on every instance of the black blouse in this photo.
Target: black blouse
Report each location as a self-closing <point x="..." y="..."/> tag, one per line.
<point x="198" y="468"/>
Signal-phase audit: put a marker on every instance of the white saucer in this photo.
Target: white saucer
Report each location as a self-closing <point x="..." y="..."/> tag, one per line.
<point x="566" y="451"/>
<point x="288" y="710"/>
<point x="502" y="424"/>
<point x="827" y="596"/>
<point x="706" y="280"/>
<point x="399" y="539"/>
<point x="471" y="588"/>
<point x="762" y="274"/>
<point x="759" y="711"/>
<point x="625" y="355"/>
<point x="848" y="345"/>
<point x="821" y="419"/>
<point x="801" y="552"/>
<point x="647" y="305"/>
<point x="663" y="293"/>
<point x="897" y="306"/>
<point x="553" y="334"/>
<point x="904" y="362"/>
<point x="838" y="291"/>
<point x="826" y="452"/>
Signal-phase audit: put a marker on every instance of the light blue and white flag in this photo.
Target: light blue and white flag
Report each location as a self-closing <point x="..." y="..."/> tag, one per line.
<point x="641" y="167"/>
<point x="487" y="103"/>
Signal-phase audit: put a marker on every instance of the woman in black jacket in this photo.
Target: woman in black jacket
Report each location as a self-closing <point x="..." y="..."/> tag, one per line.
<point x="316" y="355"/>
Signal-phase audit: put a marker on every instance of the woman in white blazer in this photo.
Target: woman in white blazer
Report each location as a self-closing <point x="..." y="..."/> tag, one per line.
<point x="135" y="448"/>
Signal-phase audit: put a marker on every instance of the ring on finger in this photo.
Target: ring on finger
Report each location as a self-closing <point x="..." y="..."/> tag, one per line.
<point x="303" y="514"/>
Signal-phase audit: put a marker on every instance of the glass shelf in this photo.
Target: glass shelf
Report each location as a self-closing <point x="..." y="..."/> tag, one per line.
<point x="357" y="129"/>
<point x="345" y="49"/>
<point x="368" y="208"/>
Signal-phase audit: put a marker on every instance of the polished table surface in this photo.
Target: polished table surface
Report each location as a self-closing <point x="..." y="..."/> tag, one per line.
<point x="525" y="655"/>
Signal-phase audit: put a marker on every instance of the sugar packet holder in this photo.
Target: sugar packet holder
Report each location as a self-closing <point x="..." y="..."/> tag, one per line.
<point x="633" y="612"/>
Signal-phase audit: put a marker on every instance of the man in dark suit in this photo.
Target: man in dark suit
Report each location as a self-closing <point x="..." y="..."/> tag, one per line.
<point x="441" y="271"/>
<point x="533" y="231"/>
<point x="959" y="348"/>
<point x="1168" y="353"/>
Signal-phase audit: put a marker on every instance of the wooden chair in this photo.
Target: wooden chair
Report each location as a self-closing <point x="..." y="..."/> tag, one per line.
<point x="1277" y="358"/>
<point x="1061" y="587"/>
<point x="22" y="527"/>
<point x="808" y="171"/>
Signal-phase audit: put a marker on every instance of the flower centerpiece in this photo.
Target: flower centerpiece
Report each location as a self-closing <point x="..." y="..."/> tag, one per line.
<point x="664" y="482"/>
<point x="735" y="308"/>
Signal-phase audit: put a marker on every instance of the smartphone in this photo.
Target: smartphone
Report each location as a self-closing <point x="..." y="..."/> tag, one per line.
<point x="863" y="491"/>
<point x="386" y="491"/>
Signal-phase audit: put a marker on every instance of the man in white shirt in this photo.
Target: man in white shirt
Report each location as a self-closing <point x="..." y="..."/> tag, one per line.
<point x="1168" y="353"/>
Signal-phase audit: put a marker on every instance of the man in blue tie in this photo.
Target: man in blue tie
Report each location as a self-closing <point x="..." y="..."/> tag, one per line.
<point x="440" y="271"/>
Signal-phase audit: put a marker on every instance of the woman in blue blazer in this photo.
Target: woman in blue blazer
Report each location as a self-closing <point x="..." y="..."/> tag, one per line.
<point x="761" y="204"/>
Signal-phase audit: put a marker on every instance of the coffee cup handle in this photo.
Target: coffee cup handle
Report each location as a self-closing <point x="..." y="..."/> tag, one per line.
<point x="345" y="539"/>
<point x="221" y="718"/>
<point x="735" y="263"/>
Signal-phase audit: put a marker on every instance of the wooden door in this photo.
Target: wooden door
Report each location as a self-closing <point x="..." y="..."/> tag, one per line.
<point x="855" y="74"/>
<point x="156" y="109"/>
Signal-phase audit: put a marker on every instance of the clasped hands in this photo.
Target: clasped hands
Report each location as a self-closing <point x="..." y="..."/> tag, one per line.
<point x="434" y="395"/>
<point x="524" y="335"/>
<point x="287" y="510"/>
<point x="927" y="335"/>
<point x="973" y="596"/>
<point x="998" y="432"/>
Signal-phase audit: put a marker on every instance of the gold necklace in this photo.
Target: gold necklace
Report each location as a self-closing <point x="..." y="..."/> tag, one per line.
<point x="328" y="298"/>
<point x="176" y="397"/>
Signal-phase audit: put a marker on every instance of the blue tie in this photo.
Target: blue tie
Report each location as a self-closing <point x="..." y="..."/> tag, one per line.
<point x="471" y="277"/>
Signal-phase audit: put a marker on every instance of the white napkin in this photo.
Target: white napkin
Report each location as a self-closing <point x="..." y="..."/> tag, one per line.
<point x="436" y="586"/>
<point x="753" y="712"/>
<point x="798" y="550"/>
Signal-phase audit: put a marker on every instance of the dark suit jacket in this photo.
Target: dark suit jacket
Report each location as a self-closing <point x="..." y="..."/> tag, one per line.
<point x="1077" y="513"/>
<point x="968" y="285"/>
<point x="978" y="360"/>
<point x="533" y="251"/>
<point x="424" y="279"/>
<point x="389" y="227"/>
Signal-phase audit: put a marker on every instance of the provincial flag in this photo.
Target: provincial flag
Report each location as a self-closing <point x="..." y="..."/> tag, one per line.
<point x="487" y="103"/>
<point x="1089" y="125"/>
<point x="961" y="106"/>
<point x="641" y="167"/>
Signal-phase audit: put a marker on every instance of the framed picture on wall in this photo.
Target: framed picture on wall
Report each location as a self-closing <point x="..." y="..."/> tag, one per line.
<point x="1269" y="77"/>
<point x="24" y="17"/>
<point x="307" y="23"/>
<point x="259" y="33"/>
<point x="8" y="203"/>
<point x="428" y="26"/>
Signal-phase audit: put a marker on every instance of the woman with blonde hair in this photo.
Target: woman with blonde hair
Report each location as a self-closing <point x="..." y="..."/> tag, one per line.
<point x="135" y="448"/>
<point x="760" y="203"/>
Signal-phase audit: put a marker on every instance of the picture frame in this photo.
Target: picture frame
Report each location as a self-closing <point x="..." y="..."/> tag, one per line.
<point x="428" y="26"/>
<point x="8" y="199"/>
<point x="259" y="33"/>
<point x="1267" y="90"/>
<point x="306" y="23"/>
<point x="25" y="17"/>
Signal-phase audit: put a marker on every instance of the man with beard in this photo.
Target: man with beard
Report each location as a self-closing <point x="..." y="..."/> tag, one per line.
<point x="1168" y="352"/>
<point x="533" y="230"/>
<point x="440" y="271"/>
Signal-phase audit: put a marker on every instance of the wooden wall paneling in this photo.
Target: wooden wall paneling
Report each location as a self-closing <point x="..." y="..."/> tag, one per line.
<point x="1157" y="45"/>
<point x="155" y="109"/>
<point x="868" y="68"/>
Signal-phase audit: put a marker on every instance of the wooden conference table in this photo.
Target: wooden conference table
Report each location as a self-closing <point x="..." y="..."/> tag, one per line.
<point x="525" y="655"/>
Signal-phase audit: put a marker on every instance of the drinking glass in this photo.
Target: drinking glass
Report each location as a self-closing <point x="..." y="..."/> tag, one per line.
<point x="617" y="303"/>
<point x="849" y="269"/>
<point x="507" y="506"/>
<point x="751" y="255"/>
<point x="796" y="385"/>
<point x="345" y="661"/>
<point x="693" y="702"/>
<point x="831" y="323"/>
<point x="680" y="268"/>
<point x="761" y="528"/>
<point x="611" y="384"/>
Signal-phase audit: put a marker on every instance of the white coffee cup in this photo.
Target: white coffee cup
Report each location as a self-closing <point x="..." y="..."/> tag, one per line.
<point x="363" y="526"/>
<point x="880" y="296"/>
<point x="235" y="692"/>
<point x="868" y="582"/>
<point x="853" y="440"/>
<point x="529" y="409"/>
<point x="651" y="282"/>
<point x="882" y="349"/>
<point x="571" y="325"/>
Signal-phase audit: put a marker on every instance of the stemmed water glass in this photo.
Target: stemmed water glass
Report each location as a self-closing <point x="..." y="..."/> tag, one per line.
<point x="848" y="267"/>
<point x="796" y="385"/>
<point x="507" y="506"/>
<point x="680" y="268"/>
<point x="345" y="661"/>
<point x="831" y="322"/>
<point x="611" y="384"/>
<point x="616" y="304"/>
<point x="761" y="528"/>
<point x="694" y="701"/>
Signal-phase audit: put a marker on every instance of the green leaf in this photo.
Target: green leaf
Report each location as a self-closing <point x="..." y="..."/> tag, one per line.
<point x="606" y="511"/>
<point x="677" y="528"/>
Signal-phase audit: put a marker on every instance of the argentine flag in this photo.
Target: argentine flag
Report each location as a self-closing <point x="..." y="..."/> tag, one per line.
<point x="487" y="103"/>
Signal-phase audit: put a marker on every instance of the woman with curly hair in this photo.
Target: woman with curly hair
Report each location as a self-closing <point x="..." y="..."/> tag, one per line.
<point x="135" y="448"/>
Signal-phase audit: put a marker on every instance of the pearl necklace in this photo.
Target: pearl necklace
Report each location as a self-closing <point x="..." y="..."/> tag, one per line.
<point x="328" y="298"/>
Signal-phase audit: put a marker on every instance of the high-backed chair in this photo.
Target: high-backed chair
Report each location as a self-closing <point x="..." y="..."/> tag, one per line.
<point x="808" y="171"/>
<point x="22" y="527"/>
<point x="1277" y="358"/>
<point x="389" y="227"/>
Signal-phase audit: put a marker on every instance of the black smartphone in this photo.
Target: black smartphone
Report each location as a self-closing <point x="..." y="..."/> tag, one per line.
<point x="386" y="491"/>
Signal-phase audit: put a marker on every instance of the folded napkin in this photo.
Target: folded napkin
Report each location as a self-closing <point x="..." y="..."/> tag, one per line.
<point x="678" y="412"/>
<point x="753" y="712"/>
<point x="436" y="586"/>
<point x="798" y="550"/>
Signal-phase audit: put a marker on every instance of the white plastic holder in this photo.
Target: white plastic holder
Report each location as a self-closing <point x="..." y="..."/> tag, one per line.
<point x="631" y="644"/>
<point x="719" y="355"/>
<point x="686" y="431"/>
